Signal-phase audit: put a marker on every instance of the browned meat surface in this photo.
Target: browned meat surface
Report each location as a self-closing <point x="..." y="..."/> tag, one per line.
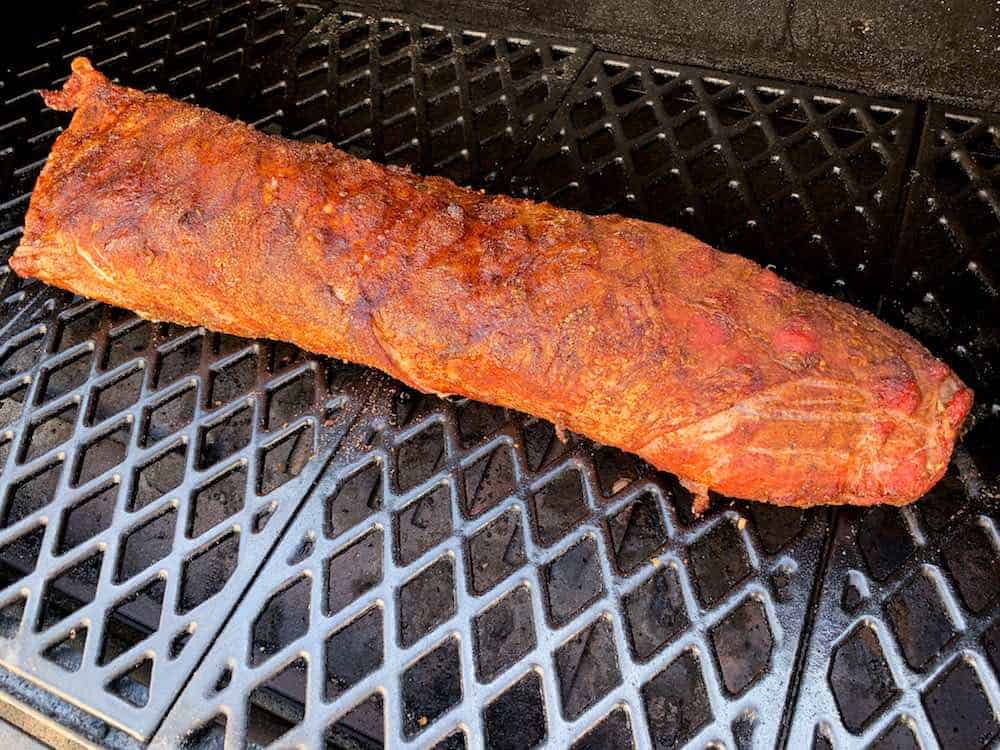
<point x="633" y="334"/>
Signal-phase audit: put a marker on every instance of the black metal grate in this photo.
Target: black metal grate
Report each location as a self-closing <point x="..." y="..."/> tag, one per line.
<point x="946" y="287"/>
<point x="907" y="617"/>
<point x="445" y="99"/>
<point x="468" y="572"/>
<point x="806" y="179"/>
<point x="135" y="495"/>
<point x="207" y="540"/>
<point x="904" y="635"/>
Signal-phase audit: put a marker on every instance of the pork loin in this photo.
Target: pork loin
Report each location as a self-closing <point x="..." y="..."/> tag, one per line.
<point x="631" y="333"/>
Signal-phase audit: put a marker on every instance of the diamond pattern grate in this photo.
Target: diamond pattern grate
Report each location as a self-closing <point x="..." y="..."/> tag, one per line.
<point x="805" y="179"/>
<point x="454" y="101"/>
<point x="910" y="602"/>
<point x="124" y="530"/>
<point x="945" y="287"/>
<point x="905" y="628"/>
<point x="466" y="614"/>
<point x="207" y="541"/>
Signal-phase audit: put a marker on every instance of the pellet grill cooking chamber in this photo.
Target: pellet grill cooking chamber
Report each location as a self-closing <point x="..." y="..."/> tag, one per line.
<point x="206" y="540"/>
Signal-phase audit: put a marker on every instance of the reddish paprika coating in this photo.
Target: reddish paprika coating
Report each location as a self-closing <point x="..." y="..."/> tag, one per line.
<point x="631" y="333"/>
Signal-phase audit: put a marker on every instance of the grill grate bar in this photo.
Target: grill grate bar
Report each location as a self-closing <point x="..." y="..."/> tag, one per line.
<point x="539" y="570"/>
<point x="192" y="709"/>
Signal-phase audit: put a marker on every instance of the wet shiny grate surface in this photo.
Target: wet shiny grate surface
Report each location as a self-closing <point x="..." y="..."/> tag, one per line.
<point x="905" y="629"/>
<point x="132" y="500"/>
<point x="212" y="541"/>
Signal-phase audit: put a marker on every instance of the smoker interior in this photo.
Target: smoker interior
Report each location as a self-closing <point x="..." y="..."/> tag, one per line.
<point x="209" y="541"/>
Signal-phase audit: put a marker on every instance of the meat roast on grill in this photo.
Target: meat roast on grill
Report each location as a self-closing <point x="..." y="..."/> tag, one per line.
<point x="631" y="333"/>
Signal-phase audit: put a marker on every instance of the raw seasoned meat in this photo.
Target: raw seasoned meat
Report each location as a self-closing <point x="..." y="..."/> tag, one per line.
<point x="631" y="333"/>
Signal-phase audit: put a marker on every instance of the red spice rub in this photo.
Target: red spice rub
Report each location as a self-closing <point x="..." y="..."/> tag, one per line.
<point x="631" y="333"/>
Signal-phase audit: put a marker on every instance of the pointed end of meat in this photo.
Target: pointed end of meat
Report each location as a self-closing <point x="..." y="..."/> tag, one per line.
<point x="22" y="262"/>
<point x="38" y="261"/>
<point x="83" y="81"/>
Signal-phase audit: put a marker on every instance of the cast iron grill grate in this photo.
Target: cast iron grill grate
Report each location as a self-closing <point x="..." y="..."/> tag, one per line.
<point x="467" y="572"/>
<point x="907" y="623"/>
<point x="805" y="179"/>
<point x="450" y="100"/>
<point x="135" y="492"/>
<point x="945" y="287"/>
<point x="367" y="565"/>
<point x="906" y="631"/>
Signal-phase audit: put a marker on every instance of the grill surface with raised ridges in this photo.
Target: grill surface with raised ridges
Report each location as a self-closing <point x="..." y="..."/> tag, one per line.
<point x="204" y="538"/>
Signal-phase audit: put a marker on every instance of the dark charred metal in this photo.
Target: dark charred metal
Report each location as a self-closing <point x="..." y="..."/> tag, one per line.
<point x="208" y="539"/>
